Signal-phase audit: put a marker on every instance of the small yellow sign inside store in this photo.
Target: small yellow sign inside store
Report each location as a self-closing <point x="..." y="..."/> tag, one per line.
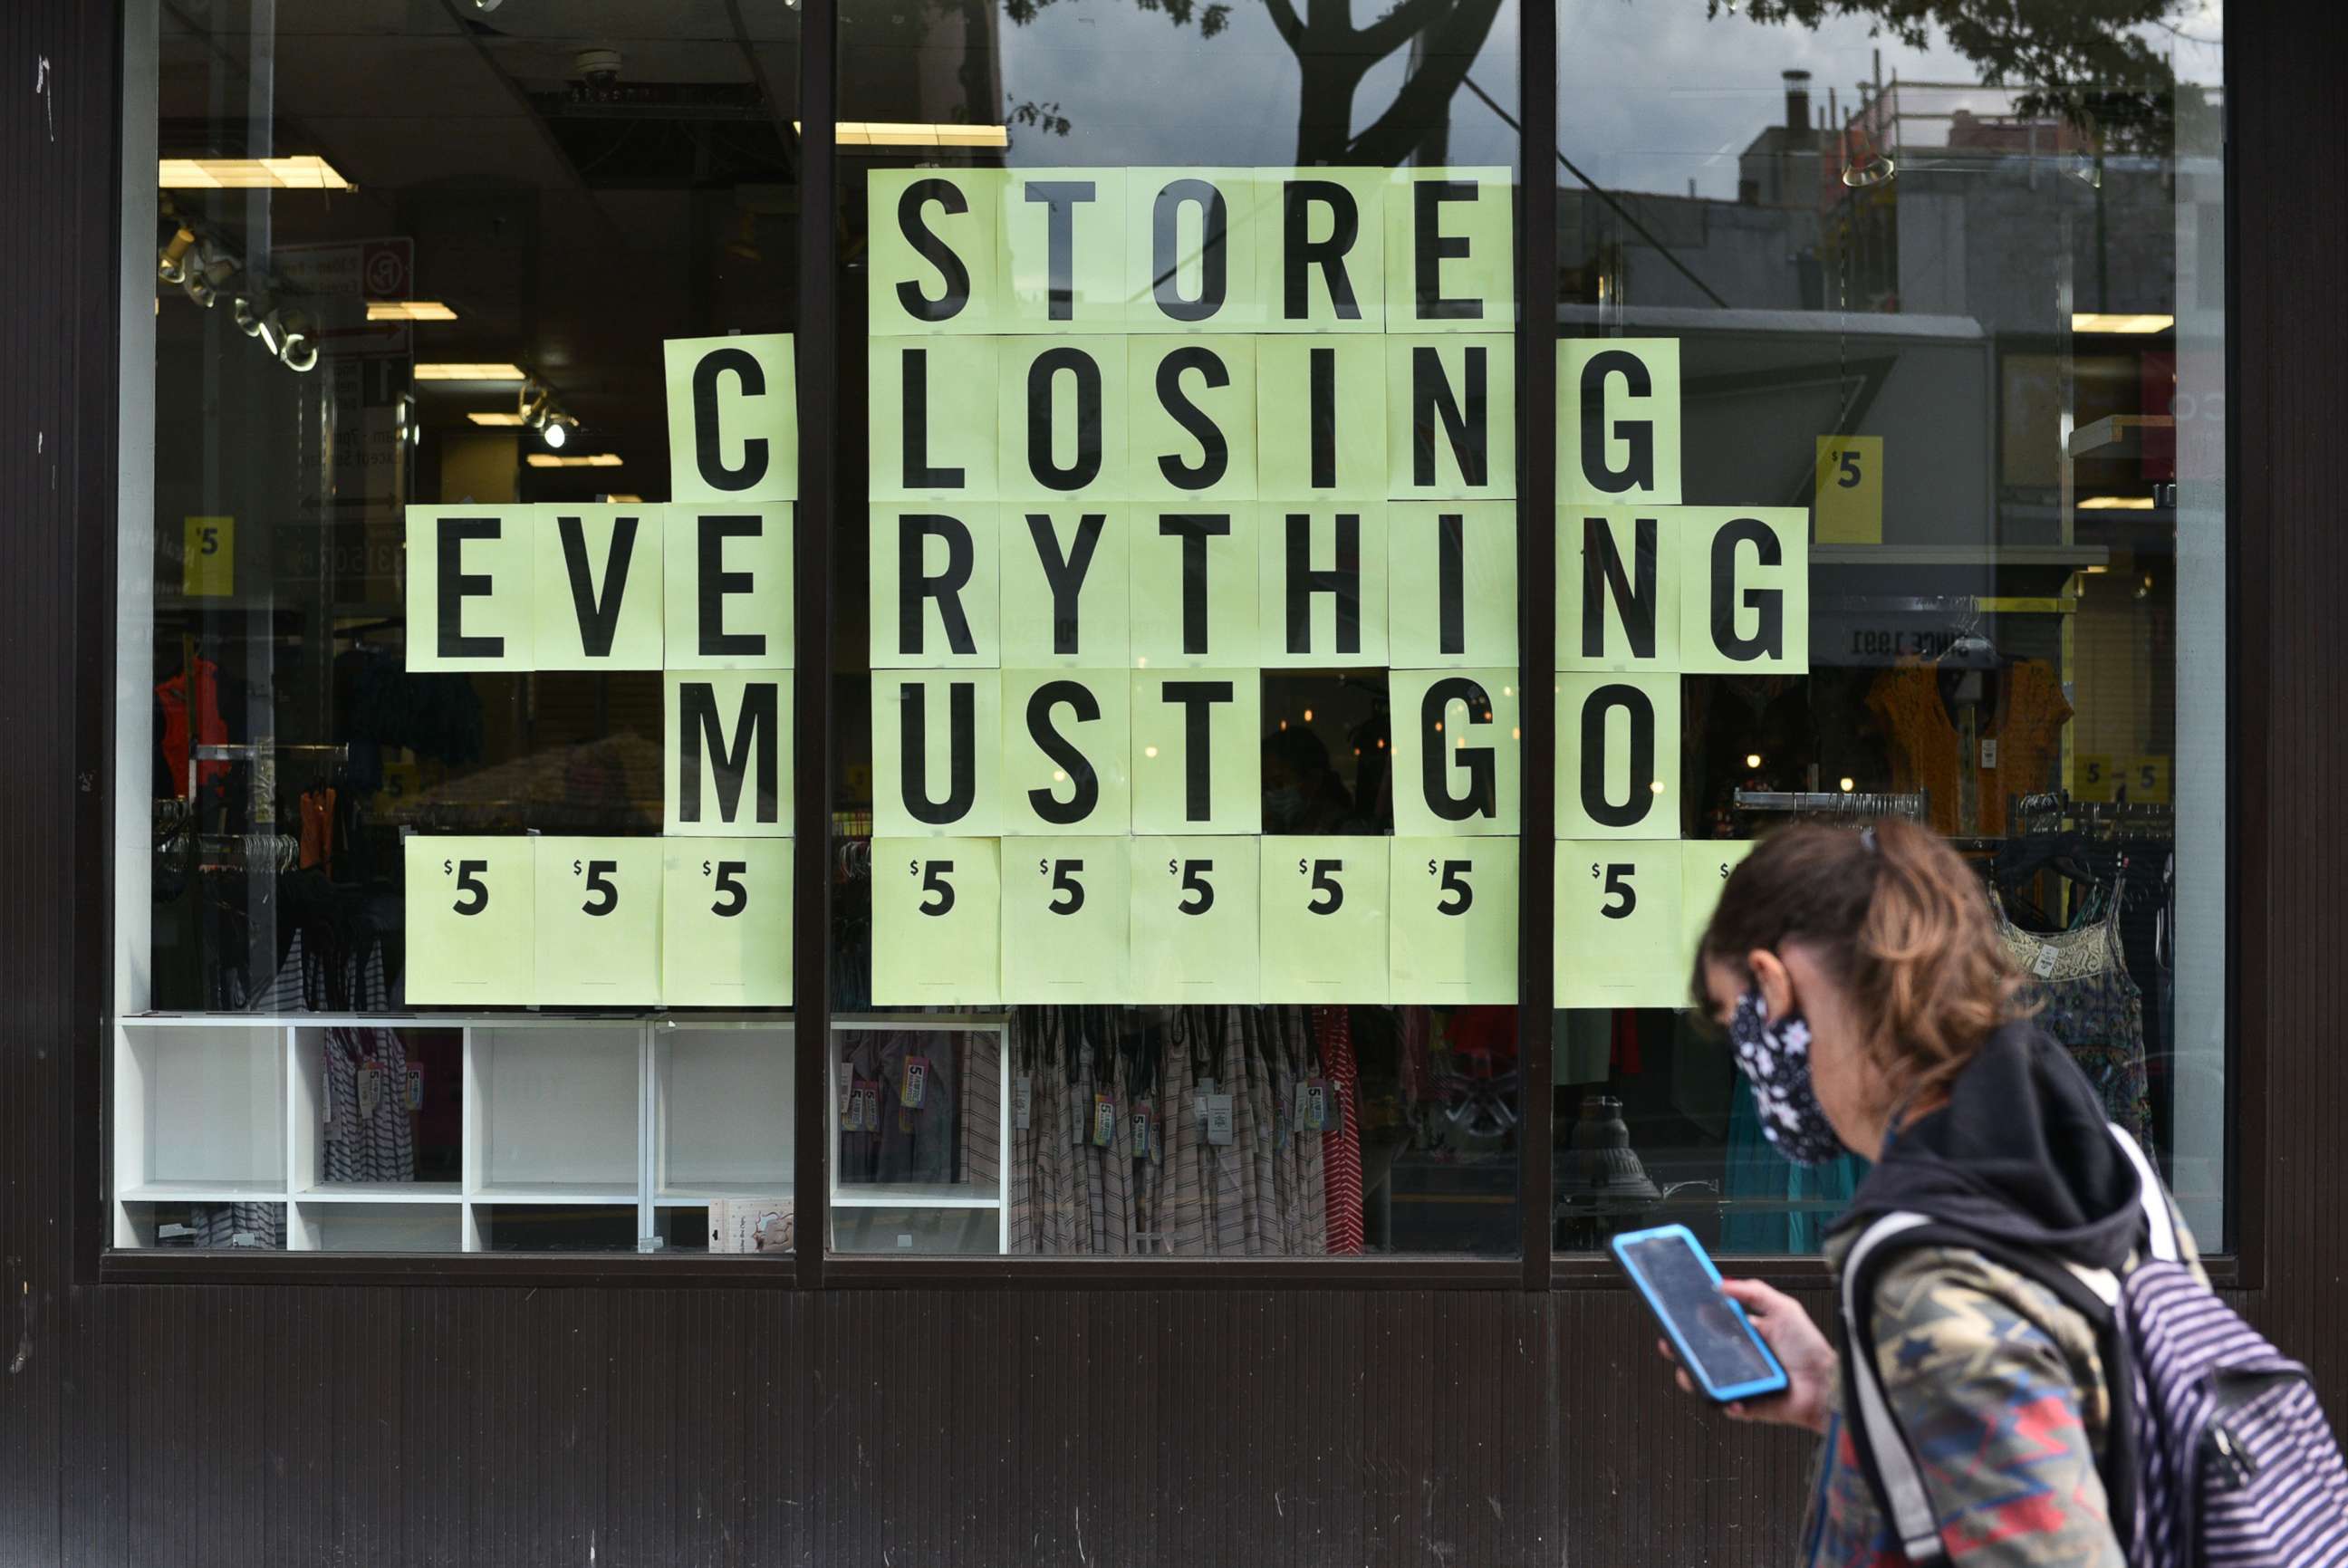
<point x="1850" y="489"/>
<point x="209" y="561"/>
<point x="2142" y="779"/>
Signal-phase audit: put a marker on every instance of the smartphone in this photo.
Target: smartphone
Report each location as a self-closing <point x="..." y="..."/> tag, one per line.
<point x="1715" y="1339"/>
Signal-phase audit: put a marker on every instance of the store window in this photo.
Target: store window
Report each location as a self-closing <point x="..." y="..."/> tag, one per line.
<point x="471" y="488"/>
<point x="1936" y="320"/>
<point x="1177" y="657"/>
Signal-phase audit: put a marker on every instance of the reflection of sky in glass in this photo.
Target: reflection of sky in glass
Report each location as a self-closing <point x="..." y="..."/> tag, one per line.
<point x="1651" y="93"/>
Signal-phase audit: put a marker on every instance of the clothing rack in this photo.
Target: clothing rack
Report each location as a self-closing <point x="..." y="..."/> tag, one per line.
<point x="260" y="752"/>
<point x="1834" y="803"/>
<point x="2056" y="811"/>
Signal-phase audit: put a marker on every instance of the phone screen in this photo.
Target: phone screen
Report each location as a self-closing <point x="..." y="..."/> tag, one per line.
<point x="1684" y="1291"/>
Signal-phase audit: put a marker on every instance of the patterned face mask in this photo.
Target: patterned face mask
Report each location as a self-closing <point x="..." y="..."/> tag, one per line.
<point x="1775" y="1059"/>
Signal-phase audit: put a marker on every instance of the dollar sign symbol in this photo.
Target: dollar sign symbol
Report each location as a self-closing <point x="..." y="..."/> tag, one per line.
<point x="576" y="868"/>
<point x="1593" y="867"/>
<point x="1724" y="873"/>
<point x="1043" y="865"/>
<point x="1169" y="868"/>
<point x="914" y="868"/>
<point x="1299" y="865"/>
<point x="1430" y="868"/>
<point x="705" y="868"/>
<point x="447" y="868"/>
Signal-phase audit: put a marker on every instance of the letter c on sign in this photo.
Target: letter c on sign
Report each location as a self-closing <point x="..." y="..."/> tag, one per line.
<point x="707" y="456"/>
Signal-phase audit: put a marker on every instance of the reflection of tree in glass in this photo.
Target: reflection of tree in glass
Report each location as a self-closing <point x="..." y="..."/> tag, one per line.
<point x="2074" y="58"/>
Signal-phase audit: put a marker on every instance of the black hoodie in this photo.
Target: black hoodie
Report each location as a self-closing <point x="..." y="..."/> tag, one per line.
<point x="2022" y="1152"/>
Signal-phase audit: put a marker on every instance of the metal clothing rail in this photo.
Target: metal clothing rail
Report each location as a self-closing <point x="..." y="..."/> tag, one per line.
<point x="1840" y="803"/>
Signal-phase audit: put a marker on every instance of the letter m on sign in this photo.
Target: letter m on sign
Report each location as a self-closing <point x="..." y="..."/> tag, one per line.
<point x="727" y="768"/>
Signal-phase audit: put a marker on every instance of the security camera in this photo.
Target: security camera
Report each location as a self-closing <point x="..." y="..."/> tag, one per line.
<point x="599" y="67"/>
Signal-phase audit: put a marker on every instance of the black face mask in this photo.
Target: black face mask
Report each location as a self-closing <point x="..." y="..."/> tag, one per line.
<point x="1775" y="1056"/>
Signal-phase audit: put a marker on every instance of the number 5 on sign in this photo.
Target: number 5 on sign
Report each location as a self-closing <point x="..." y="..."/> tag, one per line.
<point x="937" y="921"/>
<point x="1619" y="939"/>
<point x="1324" y="920"/>
<point x="1065" y="906"/>
<point x="1454" y="920"/>
<point x="599" y="935"/>
<point x="1193" y="919"/>
<point x="471" y="915"/>
<point x="726" y="922"/>
<point x="1850" y="489"/>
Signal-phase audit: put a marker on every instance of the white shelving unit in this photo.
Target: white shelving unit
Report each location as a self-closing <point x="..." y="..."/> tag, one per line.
<point x="648" y="1115"/>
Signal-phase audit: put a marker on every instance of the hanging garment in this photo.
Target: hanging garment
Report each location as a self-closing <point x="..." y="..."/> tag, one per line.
<point x="2080" y="983"/>
<point x="1341" y="1154"/>
<point x="370" y="1132"/>
<point x="2010" y="749"/>
<point x="1761" y="1178"/>
<point x="196" y="722"/>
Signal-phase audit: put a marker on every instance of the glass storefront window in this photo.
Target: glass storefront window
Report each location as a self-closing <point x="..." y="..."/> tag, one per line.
<point x="435" y="287"/>
<point x="1946" y="314"/>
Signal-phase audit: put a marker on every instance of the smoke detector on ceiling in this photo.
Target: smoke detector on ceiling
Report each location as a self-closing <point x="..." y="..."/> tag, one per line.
<point x="597" y="67"/>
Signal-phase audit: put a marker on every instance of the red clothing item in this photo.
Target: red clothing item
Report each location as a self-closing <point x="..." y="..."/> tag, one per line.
<point x="209" y="728"/>
<point x="1341" y="1150"/>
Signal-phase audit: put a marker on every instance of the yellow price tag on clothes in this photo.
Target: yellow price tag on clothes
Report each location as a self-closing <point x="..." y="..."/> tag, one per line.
<point x="937" y="752"/>
<point x="732" y="418"/>
<point x="1322" y="586"/>
<point x="1618" y="755"/>
<point x="1457" y="751"/>
<point x="727" y="752"/>
<point x="1193" y="919"/>
<point x="1061" y="418"/>
<point x="935" y="259"/>
<point x="1321" y="419"/>
<point x="1323" y="915"/>
<point x="937" y="923"/>
<point x="934" y="432"/>
<point x="1198" y="762"/>
<point x="1451" y="418"/>
<point x="1454" y="903"/>
<point x="935" y="587"/>
<point x="729" y="583"/>
<point x="1618" y="420"/>
<point x="1194" y="587"/>
<point x="1063" y="267"/>
<point x="472" y="912"/>
<point x="1704" y="867"/>
<point x="1190" y="428"/>
<point x="1619" y="581"/>
<point x="726" y="922"/>
<point x="1619" y="935"/>
<point x="207" y="564"/>
<point x="1066" y="902"/>
<point x="1745" y="596"/>
<point x="471" y="574"/>
<point x="1066" y="751"/>
<point x="1451" y="251"/>
<point x="598" y="587"/>
<point x="1324" y="264"/>
<point x="1850" y="489"/>
<point x="599" y="922"/>
<point x="1065" y="585"/>
<point x="1451" y="584"/>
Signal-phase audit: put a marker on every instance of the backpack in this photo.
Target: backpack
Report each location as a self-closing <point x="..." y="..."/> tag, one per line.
<point x="2219" y="1454"/>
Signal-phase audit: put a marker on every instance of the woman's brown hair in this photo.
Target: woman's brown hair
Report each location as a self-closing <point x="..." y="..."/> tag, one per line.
<point x="1897" y="918"/>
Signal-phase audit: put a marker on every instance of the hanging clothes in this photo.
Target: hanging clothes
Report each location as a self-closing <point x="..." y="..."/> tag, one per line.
<point x="191" y="721"/>
<point x="1969" y="765"/>
<point x="2079" y="981"/>
<point x="1342" y="1152"/>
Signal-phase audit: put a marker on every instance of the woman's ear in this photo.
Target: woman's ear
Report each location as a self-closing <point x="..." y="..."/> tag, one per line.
<point x="1777" y="986"/>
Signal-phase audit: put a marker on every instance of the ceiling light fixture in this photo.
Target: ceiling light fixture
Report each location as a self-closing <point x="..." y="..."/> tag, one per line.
<point x="306" y="172"/>
<point x="480" y="419"/>
<point x="593" y="461"/>
<point x="468" y="371"/>
<point x="2100" y="321"/>
<point x="2115" y="503"/>
<point x="409" y="310"/>
<point x="896" y="133"/>
<point x="554" y="435"/>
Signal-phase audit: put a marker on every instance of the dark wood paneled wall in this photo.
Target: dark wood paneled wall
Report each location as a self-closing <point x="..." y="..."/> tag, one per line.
<point x="162" y="1425"/>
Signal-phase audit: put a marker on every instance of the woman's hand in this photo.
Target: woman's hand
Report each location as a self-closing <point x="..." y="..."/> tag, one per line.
<point x="1809" y="1360"/>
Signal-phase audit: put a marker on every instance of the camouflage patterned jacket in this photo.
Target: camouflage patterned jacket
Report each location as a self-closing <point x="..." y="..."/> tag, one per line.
<point x="1999" y="1387"/>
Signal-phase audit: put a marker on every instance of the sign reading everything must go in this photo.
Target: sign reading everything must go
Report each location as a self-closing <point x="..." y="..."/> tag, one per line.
<point x="1137" y="436"/>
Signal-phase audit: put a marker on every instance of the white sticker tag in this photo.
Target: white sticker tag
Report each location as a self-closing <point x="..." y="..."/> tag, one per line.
<point x="2044" y="965"/>
<point x="370" y="1091"/>
<point x="172" y="1233"/>
<point x="1023" y="1103"/>
<point x="1219" y="1119"/>
<point x="244" y="1239"/>
<point x="1989" y="753"/>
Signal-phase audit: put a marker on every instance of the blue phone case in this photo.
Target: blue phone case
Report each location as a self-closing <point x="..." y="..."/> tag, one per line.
<point x="1775" y="1383"/>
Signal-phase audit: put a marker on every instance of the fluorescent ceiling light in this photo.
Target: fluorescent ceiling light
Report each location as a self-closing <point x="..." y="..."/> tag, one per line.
<point x="2115" y="503"/>
<point x="480" y="419"/>
<point x="307" y="172"/>
<point x="468" y="372"/>
<point x="2097" y="321"/>
<point x="895" y="133"/>
<point x="549" y="461"/>
<point x="409" y="310"/>
<point x="616" y="498"/>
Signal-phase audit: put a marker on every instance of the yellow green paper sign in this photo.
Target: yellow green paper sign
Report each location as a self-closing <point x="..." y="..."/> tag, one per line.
<point x="471" y="574"/>
<point x="937" y="921"/>
<point x="728" y="587"/>
<point x="598" y="928"/>
<point x="732" y="418"/>
<point x="1064" y="588"/>
<point x="1618" y="420"/>
<point x="1618" y="755"/>
<point x="1454" y="920"/>
<point x="1197" y="760"/>
<point x="1067" y="737"/>
<point x="1451" y="584"/>
<point x="727" y="753"/>
<point x="1457" y="751"/>
<point x="1324" y="920"/>
<point x="1066" y="903"/>
<point x="1193" y="919"/>
<point x="726" y="922"/>
<point x="597" y="587"/>
<point x="1619" y="929"/>
<point x="471" y="920"/>
<point x="937" y="754"/>
<point x="935" y="585"/>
